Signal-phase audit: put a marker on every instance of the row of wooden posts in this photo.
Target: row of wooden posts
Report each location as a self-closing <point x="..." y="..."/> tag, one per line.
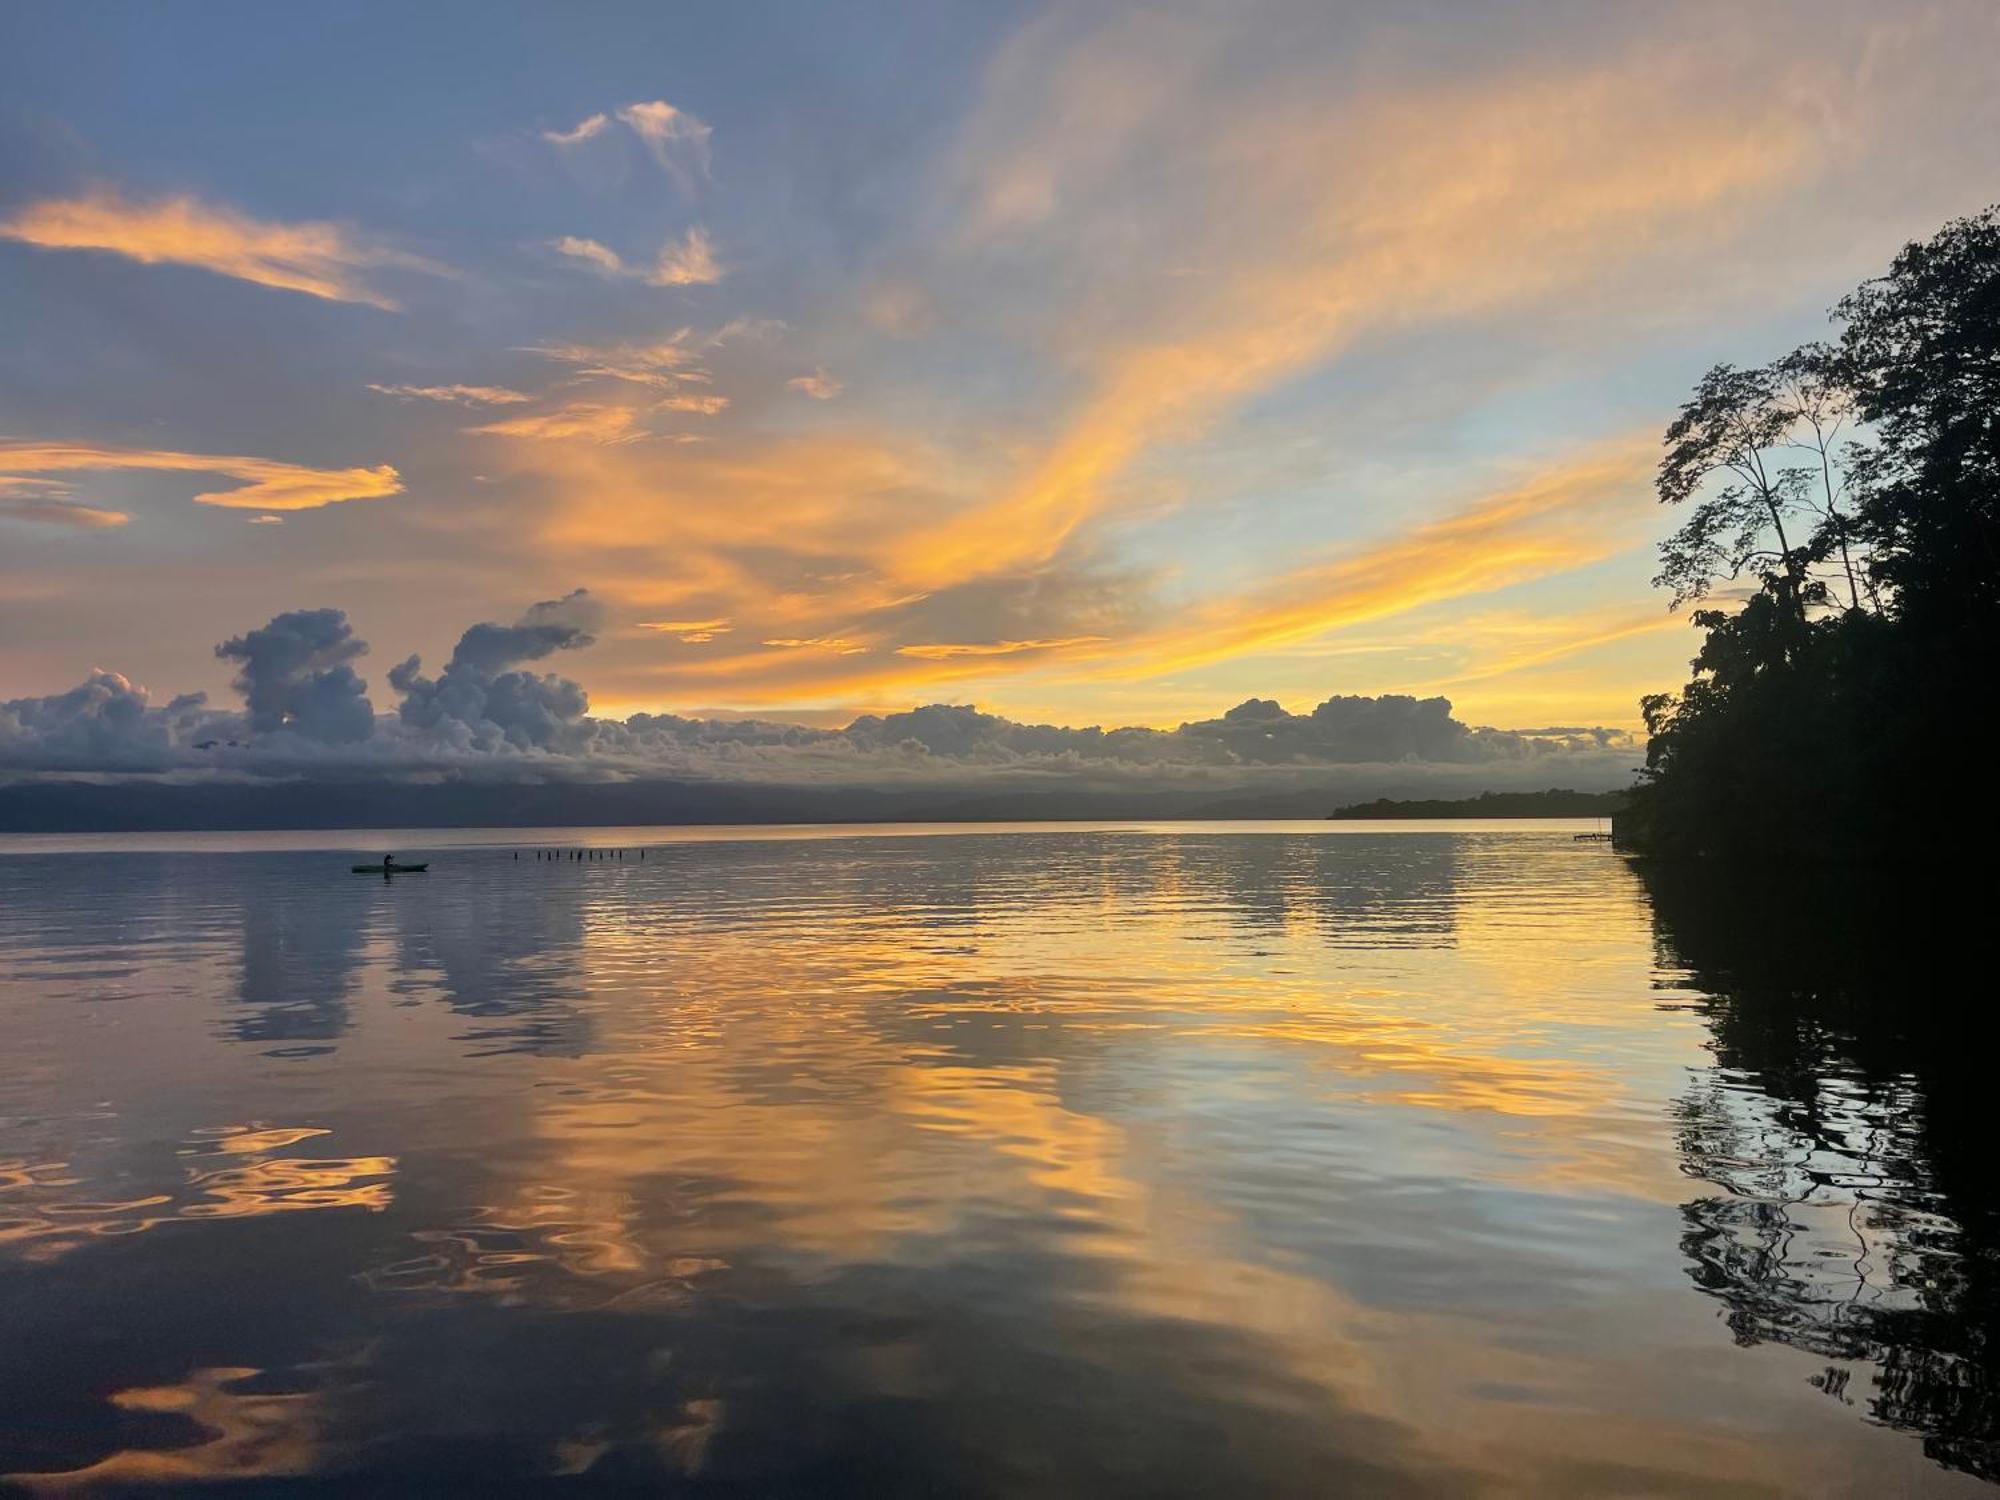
<point x="579" y="854"/>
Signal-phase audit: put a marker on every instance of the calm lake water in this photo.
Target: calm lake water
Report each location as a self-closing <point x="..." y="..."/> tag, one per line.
<point x="1198" y="1159"/>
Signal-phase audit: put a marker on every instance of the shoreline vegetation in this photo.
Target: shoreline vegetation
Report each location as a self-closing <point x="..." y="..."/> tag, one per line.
<point x="1842" y="546"/>
<point x="1556" y="802"/>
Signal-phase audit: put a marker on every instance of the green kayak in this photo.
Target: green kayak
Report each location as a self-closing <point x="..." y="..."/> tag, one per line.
<point x="390" y="869"/>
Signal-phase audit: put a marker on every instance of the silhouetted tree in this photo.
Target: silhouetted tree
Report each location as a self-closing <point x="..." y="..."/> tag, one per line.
<point x="1920" y="352"/>
<point x="1858" y="485"/>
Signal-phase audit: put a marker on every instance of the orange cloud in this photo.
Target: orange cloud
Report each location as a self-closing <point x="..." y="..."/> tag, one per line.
<point x="677" y="140"/>
<point x="689" y="261"/>
<point x="824" y="502"/>
<point x="689" y="632"/>
<point x="267" y="484"/>
<point x="590" y="251"/>
<point x="319" y="259"/>
<point x="1559" y="520"/>
<point x="1574" y="512"/>
<point x="1296" y="223"/>
<point x="666" y="364"/>
<point x="462" y="395"/>
<point x="48" y="503"/>
<point x="1459" y="201"/>
<point x="700" y="405"/>
<point x="819" y="385"/>
<point x="1521" y="643"/>
<point x="585" y="129"/>
<point x="579" y="419"/>
<point x="946" y="650"/>
<point x="838" y="645"/>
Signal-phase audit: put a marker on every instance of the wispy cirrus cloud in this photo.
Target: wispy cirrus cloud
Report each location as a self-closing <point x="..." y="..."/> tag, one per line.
<point x="676" y="139"/>
<point x="687" y="261"/>
<point x="664" y="364"/>
<point x="1559" y="518"/>
<point x="690" y="632"/>
<point x="457" y="395"/>
<point x="699" y="404"/>
<point x="316" y="258"/>
<point x="265" y="484"/>
<point x="838" y="645"/>
<point x="1467" y="198"/>
<point x="591" y="253"/>
<point x="948" y="650"/>
<point x="852" y="636"/>
<point x="588" y="128"/>
<point x="589" y="421"/>
<point x="46" y="502"/>
<point x="819" y="385"/>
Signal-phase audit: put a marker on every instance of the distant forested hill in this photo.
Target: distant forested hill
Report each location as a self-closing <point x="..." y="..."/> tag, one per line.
<point x="1556" y="802"/>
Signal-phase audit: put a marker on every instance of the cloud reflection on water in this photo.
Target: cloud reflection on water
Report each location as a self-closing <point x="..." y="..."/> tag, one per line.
<point x="1280" y="1162"/>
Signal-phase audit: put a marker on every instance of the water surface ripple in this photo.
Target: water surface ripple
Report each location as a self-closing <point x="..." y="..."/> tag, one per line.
<point x="1075" y="1162"/>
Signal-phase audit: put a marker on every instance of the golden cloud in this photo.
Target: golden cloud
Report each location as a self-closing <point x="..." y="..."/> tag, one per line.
<point x="665" y="364"/>
<point x="585" y="129"/>
<point x="579" y="419"/>
<point x="319" y="259"/>
<point x="461" y="395"/>
<point x="1558" y="520"/>
<point x="690" y="632"/>
<point x="1462" y="200"/>
<point x="819" y="385"/>
<point x="591" y="252"/>
<point x="689" y="261"/>
<point x="267" y="484"/>
<point x="946" y="650"/>
<point x="677" y="140"/>
<point x="1563" y="516"/>
<point x="48" y="503"/>
<point x="1295" y="224"/>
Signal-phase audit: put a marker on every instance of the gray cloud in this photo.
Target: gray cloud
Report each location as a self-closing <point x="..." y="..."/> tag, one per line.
<point x="485" y="717"/>
<point x="103" y="723"/>
<point x="479" y="703"/>
<point x="295" y="676"/>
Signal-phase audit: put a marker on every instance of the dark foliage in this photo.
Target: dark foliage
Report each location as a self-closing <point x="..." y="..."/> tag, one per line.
<point x="1556" y="802"/>
<point x="1844" y="1201"/>
<point x="1852" y="490"/>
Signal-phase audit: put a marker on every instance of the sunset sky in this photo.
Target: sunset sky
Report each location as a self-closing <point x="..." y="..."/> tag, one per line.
<point x="1093" y="364"/>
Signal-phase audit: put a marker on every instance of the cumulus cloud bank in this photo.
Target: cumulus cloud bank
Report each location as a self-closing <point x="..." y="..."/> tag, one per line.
<point x="296" y="676"/>
<point x="490" y="713"/>
<point x="480" y="703"/>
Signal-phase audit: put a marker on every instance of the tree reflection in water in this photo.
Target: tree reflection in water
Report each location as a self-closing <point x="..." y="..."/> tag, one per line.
<point x="1844" y="1143"/>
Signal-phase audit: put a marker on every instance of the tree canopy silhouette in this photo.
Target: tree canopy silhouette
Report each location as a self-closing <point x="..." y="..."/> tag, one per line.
<point x="1842" y="542"/>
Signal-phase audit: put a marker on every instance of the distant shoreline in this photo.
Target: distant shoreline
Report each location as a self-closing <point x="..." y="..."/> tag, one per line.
<point x="76" y="806"/>
<point x="1557" y="802"/>
<point x="442" y="843"/>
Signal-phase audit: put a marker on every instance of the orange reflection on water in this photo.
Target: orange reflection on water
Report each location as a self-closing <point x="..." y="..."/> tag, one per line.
<point x="1375" y="1148"/>
<point x="244" y="1436"/>
<point x="41" y="1221"/>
